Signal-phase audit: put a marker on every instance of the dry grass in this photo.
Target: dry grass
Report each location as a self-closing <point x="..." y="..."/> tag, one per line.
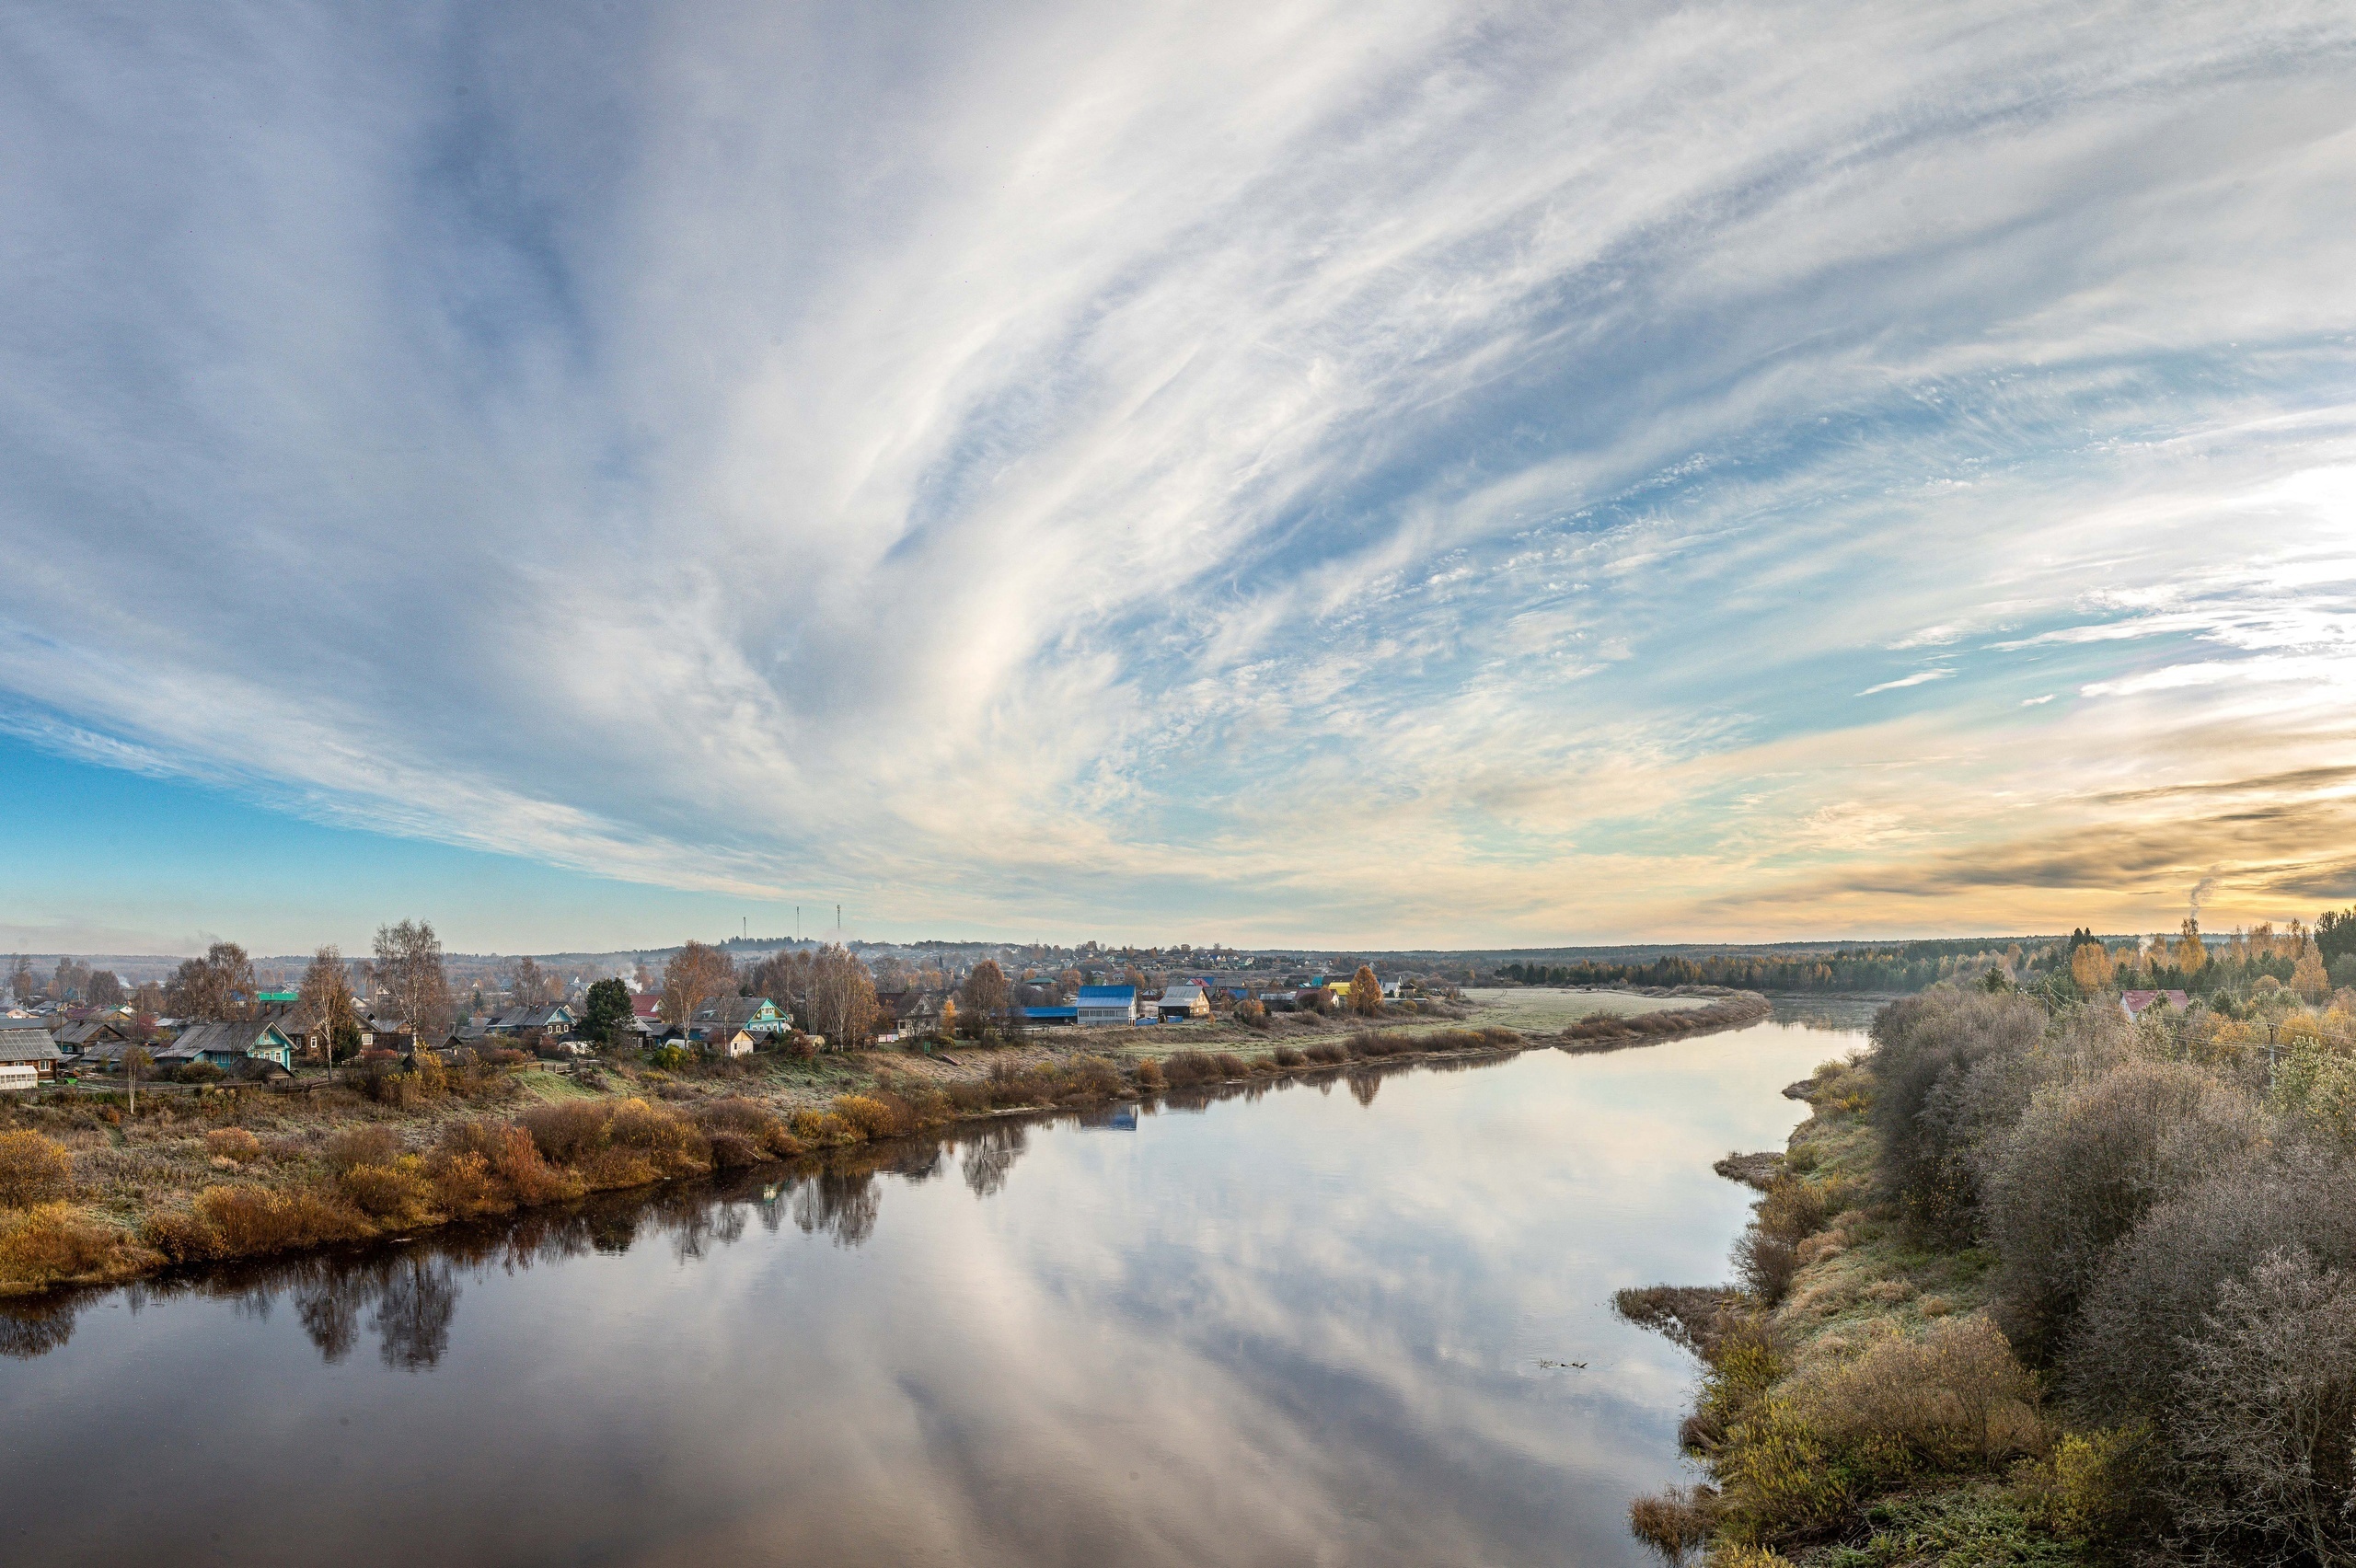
<point x="51" y="1243"/>
<point x="33" y="1169"/>
<point x="234" y="1144"/>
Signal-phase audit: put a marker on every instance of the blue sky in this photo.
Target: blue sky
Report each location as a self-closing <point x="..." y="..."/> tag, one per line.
<point x="1374" y="474"/>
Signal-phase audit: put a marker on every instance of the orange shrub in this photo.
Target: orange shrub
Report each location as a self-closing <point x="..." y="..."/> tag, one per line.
<point x="667" y="1141"/>
<point x="365" y="1145"/>
<point x="464" y="1186"/>
<point x="234" y="1143"/>
<point x="51" y="1243"/>
<point x="32" y="1169"/>
<point x="823" y="1128"/>
<point x="604" y="1168"/>
<point x="395" y="1192"/>
<point x="177" y="1234"/>
<point x="513" y="1159"/>
<point x="568" y="1129"/>
<point x="748" y="1122"/>
<point x="871" y="1117"/>
<point x="246" y="1220"/>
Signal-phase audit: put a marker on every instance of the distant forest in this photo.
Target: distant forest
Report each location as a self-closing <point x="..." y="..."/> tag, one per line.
<point x="2203" y="965"/>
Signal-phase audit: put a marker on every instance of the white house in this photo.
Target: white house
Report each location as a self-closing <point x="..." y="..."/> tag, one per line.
<point x="1107" y="1003"/>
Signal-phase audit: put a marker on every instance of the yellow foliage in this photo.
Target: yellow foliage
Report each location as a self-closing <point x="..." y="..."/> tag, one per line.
<point x="395" y="1192"/>
<point x="33" y="1169"/>
<point x="2091" y="967"/>
<point x="2084" y="1487"/>
<point x="50" y="1242"/>
<point x="823" y="1128"/>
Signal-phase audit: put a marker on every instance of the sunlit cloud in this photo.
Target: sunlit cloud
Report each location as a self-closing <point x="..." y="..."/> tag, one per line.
<point x="1413" y="472"/>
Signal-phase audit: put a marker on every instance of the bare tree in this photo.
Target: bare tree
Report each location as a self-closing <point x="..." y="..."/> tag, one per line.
<point x="105" y="989"/>
<point x="533" y="986"/>
<point x="134" y="1062"/>
<point x="71" y="980"/>
<point x="842" y="998"/>
<point x="218" y="986"/>
<point x="408" y="965"/>
<point x="327" y="998"/>
<point x="2267" y="1409"/>
<point x="985" y="994"/>
<point x="784" y="978"/>
<point x="697" y="975"/>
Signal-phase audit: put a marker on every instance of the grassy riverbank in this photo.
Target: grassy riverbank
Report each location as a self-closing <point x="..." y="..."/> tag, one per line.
<point x="2037" y="1287"/>
<point x="90" y="1192"/>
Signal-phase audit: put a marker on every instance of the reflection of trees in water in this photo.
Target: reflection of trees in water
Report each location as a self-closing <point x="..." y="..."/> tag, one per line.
<point x="409" y="1298"/>
<point x="35" y="1327"/>
<point x="843" y="1204"/>
<point x="694" y="1233"/>
<point x="413" y="1312"/>
<point x="989" y="1152"/>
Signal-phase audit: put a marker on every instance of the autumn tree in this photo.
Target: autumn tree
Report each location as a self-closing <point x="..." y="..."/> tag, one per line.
<point x="1366" y="993"/>
<point x="985" y="994"/>
<point x="326" y="999"/>
<point x="2091" y="967"/>
<point x="2307" y="976"/>
<point x="218" y="986"/>
<point x="1067" y="985"/>
<point x="408" y="966"/>
<point x="105" y="989"/>
<point x="697" y="975"/>
<point x="2190" y="954"/>
<point x="23" y="985"/>
<point x="842" y="998"/>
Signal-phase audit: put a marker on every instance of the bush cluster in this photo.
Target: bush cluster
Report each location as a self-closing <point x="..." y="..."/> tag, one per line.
<point x="2175" y="1242"/>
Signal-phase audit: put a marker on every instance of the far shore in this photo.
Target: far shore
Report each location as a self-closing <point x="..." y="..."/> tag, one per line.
<point x="92" y="1195"/>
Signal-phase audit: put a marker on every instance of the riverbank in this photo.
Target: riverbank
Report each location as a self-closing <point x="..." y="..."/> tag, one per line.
<point x="1858" y="1408"/>
<point x="90" y="1193"/>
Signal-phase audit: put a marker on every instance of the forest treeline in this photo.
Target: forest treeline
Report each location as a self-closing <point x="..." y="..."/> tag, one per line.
<point x="2061" y="969"/>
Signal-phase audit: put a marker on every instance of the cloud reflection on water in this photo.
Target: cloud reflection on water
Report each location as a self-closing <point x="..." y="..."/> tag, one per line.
<point x="1293" y="1326"/>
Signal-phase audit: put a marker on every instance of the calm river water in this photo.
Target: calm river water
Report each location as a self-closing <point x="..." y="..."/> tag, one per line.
<point x="1325" y="1323"/>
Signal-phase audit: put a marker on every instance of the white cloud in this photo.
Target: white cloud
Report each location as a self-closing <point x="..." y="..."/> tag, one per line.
<point x="1107" y="460"/>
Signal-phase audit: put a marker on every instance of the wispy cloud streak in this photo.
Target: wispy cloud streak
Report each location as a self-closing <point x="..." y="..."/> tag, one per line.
<point x="1383" y="469"/>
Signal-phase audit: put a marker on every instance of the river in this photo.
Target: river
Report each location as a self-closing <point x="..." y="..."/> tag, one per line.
<point x="1337" y="1321"/>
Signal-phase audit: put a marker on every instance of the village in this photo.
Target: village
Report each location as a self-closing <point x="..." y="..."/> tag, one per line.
<point x="226" y="1019"/>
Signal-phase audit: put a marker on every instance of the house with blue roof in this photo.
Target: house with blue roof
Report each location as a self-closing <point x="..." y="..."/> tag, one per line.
<point x="1105" y="1004"/>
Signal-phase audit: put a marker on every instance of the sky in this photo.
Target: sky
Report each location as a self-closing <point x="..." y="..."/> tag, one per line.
<point x="1372" y="475"/>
